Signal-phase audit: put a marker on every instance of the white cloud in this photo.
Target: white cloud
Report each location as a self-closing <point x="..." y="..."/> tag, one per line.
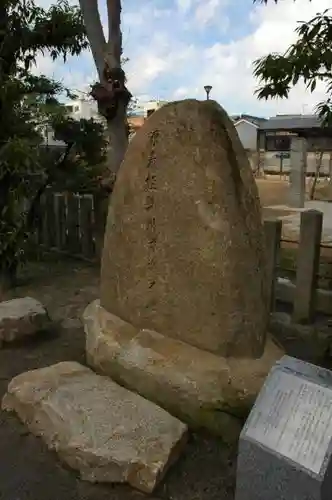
<point x="44" y="66"/>
<point x="175" y="51"/>
<point x="274" y="32"/>
<point x="181" y="92"/>
<point x="205" y="11"/>
<point x="184" y="5"/>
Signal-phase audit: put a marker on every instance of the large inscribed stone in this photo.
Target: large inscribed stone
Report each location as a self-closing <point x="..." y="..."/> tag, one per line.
<point x="184" y="252"/>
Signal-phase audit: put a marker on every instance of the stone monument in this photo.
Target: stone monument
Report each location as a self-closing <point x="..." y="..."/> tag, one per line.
<point x="286" y="445"/>
<point x="183" y="310"/>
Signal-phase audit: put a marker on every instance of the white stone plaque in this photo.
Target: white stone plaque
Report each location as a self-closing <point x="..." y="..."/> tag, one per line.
<point x="294" y="418"/>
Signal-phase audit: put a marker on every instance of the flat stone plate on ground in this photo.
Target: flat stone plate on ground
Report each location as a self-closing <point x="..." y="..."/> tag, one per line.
<point x="285" y="447"/>
<point x="97" y="427"/>
<point x="20" y="318"/>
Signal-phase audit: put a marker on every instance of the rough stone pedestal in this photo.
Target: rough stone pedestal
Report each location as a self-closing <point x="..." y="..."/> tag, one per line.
<point x="200" y="388"/>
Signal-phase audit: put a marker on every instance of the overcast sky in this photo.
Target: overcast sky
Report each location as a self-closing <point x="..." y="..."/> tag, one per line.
<point x="175" y="47"/>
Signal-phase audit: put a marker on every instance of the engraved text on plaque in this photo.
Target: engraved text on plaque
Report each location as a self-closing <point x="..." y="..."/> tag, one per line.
<point x="294" y="418"/>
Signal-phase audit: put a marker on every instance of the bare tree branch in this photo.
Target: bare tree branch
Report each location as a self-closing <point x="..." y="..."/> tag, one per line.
<point x="95" y="33"/>
<point x="114" y="33"/>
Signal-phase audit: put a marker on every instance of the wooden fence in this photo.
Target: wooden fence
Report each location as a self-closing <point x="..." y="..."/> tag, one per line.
<point x="74" y="225"/>
<point x="70" y="224"/>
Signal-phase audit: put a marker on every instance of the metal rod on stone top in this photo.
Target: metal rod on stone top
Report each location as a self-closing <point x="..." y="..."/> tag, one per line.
<point x="207" y="89"/>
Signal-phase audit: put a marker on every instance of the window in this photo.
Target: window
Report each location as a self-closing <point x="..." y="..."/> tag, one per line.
<point x="277" y="143"/>
<point x="76" y="108"/>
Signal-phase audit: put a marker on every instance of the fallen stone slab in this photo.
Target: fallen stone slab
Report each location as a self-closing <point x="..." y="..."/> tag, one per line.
<point x="21" y="318"/>
<point x="97" y="427"/>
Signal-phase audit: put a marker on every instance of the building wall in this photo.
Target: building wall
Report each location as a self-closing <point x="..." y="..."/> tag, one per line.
<point x="247" y="133"/>
<point x="151" y="106"/>
<point x="49" y="139"/>
<point x="281" y="142"/>
<point x="85" y="109"/>
<point x="272" y="163"/>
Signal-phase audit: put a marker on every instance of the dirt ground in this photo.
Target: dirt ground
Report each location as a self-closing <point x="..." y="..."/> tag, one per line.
<point x="28" y="471"/>
<point x="274" y="191"/>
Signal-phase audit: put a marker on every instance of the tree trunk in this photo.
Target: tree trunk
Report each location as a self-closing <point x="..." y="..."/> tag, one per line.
<point x="319" y="162"/>
<point x="111" y="93"/>
<point x="8" y="279"/>
<point x="118" y="140"/>
<point x="95" y="34"/>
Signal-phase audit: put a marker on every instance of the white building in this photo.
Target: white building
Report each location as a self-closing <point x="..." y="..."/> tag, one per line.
<point x="247" y="131"/>
<point x="49" y="139"/>
<point x="151" y="106"/>
<point x="78" y="109"/>
<point x="84" y="109"/>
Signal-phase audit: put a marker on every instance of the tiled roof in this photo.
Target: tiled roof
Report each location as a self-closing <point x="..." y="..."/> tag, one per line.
<point x="249" y="118"/>
<point x="291" y="122"/>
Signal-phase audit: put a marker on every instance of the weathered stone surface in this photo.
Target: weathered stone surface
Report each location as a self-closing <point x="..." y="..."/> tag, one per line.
<point x="20" y="318"/>
<point x="199" y="387"/>
<point x="184" y="252"/>
<point x="97" y="427"/>
<point x="285" y="447"/>
<point x="308" y="342"/>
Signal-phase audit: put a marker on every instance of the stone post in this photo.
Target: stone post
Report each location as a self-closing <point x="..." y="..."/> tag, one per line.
<point x="307" y="266"/>
<point x="272" y="229"/>
<point x="297" y="175"/>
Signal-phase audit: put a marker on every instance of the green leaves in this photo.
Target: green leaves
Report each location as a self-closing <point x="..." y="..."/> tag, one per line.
<point x="87" y="136"/>
<point x="309" y="59"/>
<point x="26" y="30"/>
<point x="28" y="104"/>
<point x="60" y="30"/>
<point x="324" y="110"/>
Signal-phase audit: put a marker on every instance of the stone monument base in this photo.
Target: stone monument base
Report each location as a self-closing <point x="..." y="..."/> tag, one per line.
<point x="200" y="388"/>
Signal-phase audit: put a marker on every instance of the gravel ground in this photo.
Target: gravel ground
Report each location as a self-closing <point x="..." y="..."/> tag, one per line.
<point x="28" y="471"/>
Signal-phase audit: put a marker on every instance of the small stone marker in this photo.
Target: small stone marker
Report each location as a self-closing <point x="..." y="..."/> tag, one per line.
<point x="297" y="172"/>
<point x="21" y="318"/>
<point x="97" y="427"/>
<point x="285" y="446"/>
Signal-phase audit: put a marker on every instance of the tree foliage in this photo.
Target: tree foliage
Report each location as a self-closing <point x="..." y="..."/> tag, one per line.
<point x="84" y="156"/>
<point x="27" y="30"/>
<point x="86" y="135"/>
<point x="309" y="59"/>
